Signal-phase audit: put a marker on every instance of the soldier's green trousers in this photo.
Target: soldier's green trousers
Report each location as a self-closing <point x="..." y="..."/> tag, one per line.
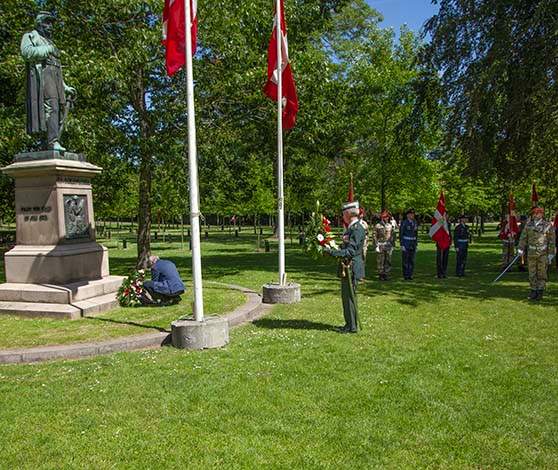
<point x="350" y="309"/>
<point x="538" y="267"/>
<point x="384" y="262"/>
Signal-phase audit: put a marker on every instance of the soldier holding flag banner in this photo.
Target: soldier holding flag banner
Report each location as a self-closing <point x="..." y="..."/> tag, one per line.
<point x="440" y="233"/>
<point x="508" y="231"/>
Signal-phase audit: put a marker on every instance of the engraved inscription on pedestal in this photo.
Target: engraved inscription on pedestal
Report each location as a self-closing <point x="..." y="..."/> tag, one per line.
<point x="75" y="216"/>
<point x="36" y="213"/>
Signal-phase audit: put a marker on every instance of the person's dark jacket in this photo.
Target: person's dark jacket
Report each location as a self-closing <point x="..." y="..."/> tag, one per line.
<point x="461" y="236"/>
<point x="165" y="278"/>
<point x="408" y="234"/>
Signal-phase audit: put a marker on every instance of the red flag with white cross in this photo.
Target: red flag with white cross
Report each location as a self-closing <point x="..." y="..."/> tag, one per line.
<point x="290" y="98"/>
<point x="439" y="231"/>
<point x="174" y="38"/>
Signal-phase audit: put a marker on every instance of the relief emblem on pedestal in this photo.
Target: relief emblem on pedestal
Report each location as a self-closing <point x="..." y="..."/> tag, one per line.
<point x="75" y="216"/>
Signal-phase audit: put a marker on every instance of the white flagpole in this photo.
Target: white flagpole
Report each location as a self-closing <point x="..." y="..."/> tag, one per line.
<point x="193" y="170"/>
<point x="280" y="194"/>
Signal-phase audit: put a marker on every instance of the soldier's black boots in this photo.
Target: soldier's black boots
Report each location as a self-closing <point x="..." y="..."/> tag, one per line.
<point x="536" y="294"/>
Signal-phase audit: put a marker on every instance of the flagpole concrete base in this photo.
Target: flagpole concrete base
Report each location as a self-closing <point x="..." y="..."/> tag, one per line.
<point x="277" y="294"/>
<point x="212" y="332"/>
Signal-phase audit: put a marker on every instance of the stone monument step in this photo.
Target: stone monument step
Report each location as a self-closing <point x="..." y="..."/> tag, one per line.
<point x="37" y="309"/>
<point x="97" y="305"/>
<point x="88" y="289"/>
<point x="84" y="308"/>
<point x="65" y="294"/>
<point x="41" y="293"/>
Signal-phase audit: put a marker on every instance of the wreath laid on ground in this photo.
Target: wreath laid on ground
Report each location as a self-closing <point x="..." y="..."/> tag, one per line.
<point x="131" y="291"/>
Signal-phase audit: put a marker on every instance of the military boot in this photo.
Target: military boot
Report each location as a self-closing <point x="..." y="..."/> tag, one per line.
<point x="533" y="295"/>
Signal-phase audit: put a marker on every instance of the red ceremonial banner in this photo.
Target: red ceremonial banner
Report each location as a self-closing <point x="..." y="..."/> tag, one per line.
<point x="439" y="231"/>
<point x="290" y="98"/>
<point x="174" y="38"/>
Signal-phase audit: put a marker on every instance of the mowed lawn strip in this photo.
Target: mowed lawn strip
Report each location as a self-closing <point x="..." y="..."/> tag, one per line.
<point x="21" y="332"/>
<point x="453" y="373"/>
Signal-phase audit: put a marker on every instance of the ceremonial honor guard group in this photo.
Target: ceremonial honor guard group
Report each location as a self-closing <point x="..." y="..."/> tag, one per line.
<point x="535" y="239"/>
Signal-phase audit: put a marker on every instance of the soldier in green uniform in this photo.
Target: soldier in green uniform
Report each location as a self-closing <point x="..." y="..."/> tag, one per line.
<point x="384" y="239"/>
<point x="351" y="264"/>
<point x="538" y="236"/>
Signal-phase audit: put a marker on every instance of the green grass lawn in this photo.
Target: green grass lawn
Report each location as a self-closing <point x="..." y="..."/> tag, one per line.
<point x="453" y="373"/>
<point x="28" y="332"/>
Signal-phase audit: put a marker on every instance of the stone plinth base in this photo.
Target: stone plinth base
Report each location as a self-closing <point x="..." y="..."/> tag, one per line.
<point x="57" y="264"/>
<point x="277" y="294"/>
<point x="213" y="332"/>
<point x="76" y="300"/>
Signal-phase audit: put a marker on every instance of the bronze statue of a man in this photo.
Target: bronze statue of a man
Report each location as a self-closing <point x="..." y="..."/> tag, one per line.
<point x="47" y="105"/>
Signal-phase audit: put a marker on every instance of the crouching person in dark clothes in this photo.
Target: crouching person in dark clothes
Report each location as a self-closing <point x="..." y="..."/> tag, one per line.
<point x="165" y="286"/>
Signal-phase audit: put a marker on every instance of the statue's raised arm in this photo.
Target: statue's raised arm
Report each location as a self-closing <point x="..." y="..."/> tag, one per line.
<point x="47" y="103"/>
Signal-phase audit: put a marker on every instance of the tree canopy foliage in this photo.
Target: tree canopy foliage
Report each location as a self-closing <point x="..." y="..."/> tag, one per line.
<point x="472" y="111"/>
<point x="498" y="66"/>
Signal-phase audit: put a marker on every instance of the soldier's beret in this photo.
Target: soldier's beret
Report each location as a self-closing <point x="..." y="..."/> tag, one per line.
<point x="385" y="213"/>
<point x="351" y="205"/>
<point x="537" y="210"/>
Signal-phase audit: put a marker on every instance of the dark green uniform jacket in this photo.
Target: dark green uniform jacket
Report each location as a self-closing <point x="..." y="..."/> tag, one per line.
<point x="351" y="250"/>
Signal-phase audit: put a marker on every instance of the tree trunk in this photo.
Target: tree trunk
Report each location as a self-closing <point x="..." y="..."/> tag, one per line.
<point x="144" y="213"/>
<point x="145" y="174"/>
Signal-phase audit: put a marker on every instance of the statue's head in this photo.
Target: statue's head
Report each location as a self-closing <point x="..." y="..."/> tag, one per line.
<point x="44" y="22"/>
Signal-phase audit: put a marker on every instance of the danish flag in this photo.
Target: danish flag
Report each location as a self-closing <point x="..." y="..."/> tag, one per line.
<point x="174" y="38"/>
<point x="289" y="98"/>
<point x="439" y="231"/>
<point x="512" y="228"/>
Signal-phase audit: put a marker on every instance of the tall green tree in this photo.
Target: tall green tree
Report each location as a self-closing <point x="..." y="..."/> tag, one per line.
<point x="498" y="66"/>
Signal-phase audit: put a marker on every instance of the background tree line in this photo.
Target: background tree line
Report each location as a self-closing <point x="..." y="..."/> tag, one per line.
<point x="471" y="110"/>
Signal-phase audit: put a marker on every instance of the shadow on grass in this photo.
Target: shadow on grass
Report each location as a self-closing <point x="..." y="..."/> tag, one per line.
<point x="131" y="323"/>
<point x="223" y="262"/>
<point x="272" y="324"/>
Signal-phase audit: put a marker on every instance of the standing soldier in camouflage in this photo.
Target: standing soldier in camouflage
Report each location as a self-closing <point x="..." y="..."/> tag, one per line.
<point x="384" y="239"/>
<point x="539" y="237"/>
<point x="408" y="240"/>
<point x="351" y="265"/>
<point x="461" y="238"/>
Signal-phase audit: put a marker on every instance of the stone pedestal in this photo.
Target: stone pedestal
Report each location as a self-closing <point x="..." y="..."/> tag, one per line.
<point x="277" y="294"/>
<point x="213" y="332"/>
<point x="55" y="230"/>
